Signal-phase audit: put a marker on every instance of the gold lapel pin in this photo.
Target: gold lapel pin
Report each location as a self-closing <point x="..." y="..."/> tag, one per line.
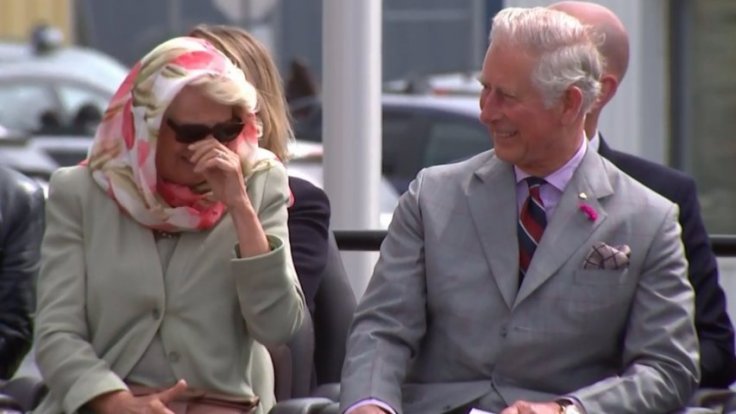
<point x="583" y="196"/>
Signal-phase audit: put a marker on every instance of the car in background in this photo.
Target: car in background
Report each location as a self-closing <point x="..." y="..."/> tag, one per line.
<point x="306" y="163"/>
<point x="445" y="84"/>
<point x="60" y="92"/>
<point x="418" y="131"/>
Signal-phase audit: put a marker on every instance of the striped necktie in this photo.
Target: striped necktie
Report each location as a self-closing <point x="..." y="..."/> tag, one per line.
<point x="532" y="221"/>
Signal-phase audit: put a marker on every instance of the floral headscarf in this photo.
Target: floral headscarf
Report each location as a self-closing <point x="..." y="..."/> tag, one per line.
<point x="122" y="156"/>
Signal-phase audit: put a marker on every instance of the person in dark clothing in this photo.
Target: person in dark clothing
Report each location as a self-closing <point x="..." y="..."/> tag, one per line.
<point x="21" y="230"/>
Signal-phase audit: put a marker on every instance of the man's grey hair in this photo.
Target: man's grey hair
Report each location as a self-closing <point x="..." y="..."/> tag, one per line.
<point x="566" y="50"/>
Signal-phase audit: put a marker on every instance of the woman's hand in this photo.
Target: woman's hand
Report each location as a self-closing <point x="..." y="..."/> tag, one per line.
<point x="123" y="402"/>
<point x="222" y="169"/>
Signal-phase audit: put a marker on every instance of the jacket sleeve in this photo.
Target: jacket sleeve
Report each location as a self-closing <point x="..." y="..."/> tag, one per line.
<point x="391" y="319"/>
<point x="271" y="299"/>
<point x="660" y="347"/>
<point x="68" y="363"/>
<point x="309" y="223"/>
<point x="22" y="220"/>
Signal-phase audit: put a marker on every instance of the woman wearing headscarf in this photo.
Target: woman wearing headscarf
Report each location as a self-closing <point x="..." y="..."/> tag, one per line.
<point x="166" y="262"/>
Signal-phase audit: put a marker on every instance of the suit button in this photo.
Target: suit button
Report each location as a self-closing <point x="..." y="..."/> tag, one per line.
<point x="174" y="356"/>
<point x="504" y="330"/>
<point x="156" y="314"/>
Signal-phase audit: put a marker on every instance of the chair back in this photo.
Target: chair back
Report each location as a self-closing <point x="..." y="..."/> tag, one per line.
<point x="334" y="307"/>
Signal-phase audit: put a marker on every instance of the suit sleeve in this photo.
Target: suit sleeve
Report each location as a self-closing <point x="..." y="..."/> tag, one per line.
<point x="660" y="347"/>
<point x="271" y="299"/>
<point x="715" y="331"/>
<point x="309" y="223"/>
<point x="68" y="363"/>
<point x="23" y="221"/>
<point x="390" y="320"/>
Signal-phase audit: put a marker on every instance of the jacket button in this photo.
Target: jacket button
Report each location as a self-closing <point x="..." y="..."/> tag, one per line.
<point x="174" y="356"/>
<point x="156" y="314"/>
<point x="504" y="331"/>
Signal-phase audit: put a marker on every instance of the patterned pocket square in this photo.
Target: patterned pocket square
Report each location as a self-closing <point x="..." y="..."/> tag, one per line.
<point x="603" y="256"/>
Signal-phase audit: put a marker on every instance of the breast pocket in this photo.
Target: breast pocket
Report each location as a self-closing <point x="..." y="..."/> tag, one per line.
<point x="601" y="276"/>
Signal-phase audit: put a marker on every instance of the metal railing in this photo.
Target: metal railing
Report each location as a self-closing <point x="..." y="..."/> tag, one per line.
<point x="370" y="240"/>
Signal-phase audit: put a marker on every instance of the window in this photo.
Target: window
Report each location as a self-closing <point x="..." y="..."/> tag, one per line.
<point x="453" y="140"/>
<point x="401" y="147"/>
<point x="83" y="106"/>
<point x="26" y="106"/>
<point x="705" y="85"/>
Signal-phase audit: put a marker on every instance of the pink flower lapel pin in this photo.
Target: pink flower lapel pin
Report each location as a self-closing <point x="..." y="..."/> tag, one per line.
<point x="586" y="208"/>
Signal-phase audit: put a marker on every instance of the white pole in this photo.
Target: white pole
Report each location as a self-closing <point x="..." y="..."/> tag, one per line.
<point x="351" y="95"/>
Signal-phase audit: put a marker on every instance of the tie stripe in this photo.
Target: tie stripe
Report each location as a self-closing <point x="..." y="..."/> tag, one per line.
<point x="532" y="221"/>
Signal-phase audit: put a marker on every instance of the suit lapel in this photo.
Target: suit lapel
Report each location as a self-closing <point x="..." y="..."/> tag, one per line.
<point x="569" y="228"/>
<point x="492" y="199"/>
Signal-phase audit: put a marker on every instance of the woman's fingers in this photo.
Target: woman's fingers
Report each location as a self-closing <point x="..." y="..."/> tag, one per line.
<point x="172" y="393"/>
<point x="202" y="148"/>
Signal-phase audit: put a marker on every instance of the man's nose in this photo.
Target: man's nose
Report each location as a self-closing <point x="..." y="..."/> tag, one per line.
<point x="488" y="109"/>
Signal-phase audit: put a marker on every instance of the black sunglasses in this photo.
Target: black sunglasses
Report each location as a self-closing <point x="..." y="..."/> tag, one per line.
<point x="223" y="131"/>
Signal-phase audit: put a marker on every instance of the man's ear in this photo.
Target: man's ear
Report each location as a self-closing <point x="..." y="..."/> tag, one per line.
<point x="609" y="86"/>
<point x="572" y="103"/>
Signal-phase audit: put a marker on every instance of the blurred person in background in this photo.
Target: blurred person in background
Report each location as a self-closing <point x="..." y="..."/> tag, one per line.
<point x="300" y="83"/>
<point x="46" y="38"/>
<point x="715" y="330"/>
<point x="21" y="230"/>
<point x="166" y="262"/>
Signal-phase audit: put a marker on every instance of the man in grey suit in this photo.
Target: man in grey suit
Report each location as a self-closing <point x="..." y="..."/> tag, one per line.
<point x="533" y="278"/>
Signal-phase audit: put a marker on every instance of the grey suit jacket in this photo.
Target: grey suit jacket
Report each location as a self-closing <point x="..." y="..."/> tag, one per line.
<point x="443" y="323"/>
<point x="102" y="296"/>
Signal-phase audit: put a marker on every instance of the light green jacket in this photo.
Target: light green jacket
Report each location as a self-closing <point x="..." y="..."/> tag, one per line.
<point x="102" y="296"/>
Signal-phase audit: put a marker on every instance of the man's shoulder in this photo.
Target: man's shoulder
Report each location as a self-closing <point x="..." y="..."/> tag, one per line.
<point x="664" y="180"/>
<point x="459" y="170"/>
<point x="307" y="194"/>
<point x="634" y="192"/>
<point x="17" y="184"/>
<point x="22" y="196"/>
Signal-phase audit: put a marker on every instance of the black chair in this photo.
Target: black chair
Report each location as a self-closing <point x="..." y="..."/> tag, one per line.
<point x="334" y="307"/>
<point x="9" y="405"/>
<point x="25" y="392"/>
<point x="292" y="363"/>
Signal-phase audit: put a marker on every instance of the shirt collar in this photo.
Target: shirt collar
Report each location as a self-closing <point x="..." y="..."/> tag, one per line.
<point x="595" y="142"/>
<point x="562" y="176"/>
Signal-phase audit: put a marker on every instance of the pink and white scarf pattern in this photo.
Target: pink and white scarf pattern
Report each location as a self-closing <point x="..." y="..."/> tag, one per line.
<point x="123" y="153"/>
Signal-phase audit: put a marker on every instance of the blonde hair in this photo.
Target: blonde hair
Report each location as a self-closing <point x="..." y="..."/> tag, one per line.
<point x="160" y="70"/>
<point x="252" y="57"/>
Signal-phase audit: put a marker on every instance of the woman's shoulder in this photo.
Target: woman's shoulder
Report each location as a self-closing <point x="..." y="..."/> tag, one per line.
<point x="71" y="180"/>
<point x="305" y="192"/>
<point x="77" y="174"/>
